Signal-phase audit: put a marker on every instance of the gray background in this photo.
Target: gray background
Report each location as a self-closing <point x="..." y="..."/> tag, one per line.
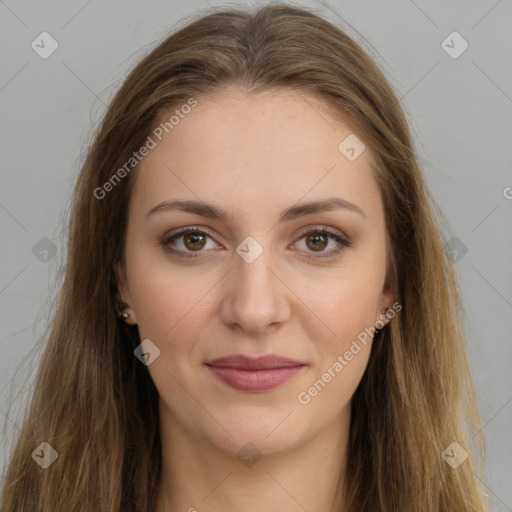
<point x="460" y="111"/>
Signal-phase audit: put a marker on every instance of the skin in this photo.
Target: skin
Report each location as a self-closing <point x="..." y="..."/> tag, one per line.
<point x="254" y="156"/>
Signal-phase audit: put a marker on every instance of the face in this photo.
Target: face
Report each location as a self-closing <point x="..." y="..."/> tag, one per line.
<point x="247" y="269"/>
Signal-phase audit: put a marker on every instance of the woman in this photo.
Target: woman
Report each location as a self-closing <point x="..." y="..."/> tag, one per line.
<point x="257" y="313"/>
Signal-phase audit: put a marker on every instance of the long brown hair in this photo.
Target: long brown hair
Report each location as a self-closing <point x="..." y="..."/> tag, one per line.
<point x="96" y="405"/>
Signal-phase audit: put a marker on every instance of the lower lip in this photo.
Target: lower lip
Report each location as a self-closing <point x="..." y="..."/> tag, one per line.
<point x="255" y="380"/>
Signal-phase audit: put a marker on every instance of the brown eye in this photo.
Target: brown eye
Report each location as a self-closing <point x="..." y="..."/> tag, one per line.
<point x="188" y="243"/>
<point x="318" y="241"/>
<point x="194" y="241"/>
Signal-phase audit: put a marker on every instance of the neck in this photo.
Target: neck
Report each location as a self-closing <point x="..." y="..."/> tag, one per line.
<point x="198" y="476"/>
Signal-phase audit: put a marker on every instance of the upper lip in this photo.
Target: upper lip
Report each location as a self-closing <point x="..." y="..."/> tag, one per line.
<point x="244" y="362"/>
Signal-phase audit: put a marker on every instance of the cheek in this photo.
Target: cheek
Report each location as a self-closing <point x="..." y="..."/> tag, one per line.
<point x="343" y="306"/>
<point x="342" y="337"/>
<point x="172" y="305"/>
<point x="165" y="304"/>
<point x="342" y="354"/>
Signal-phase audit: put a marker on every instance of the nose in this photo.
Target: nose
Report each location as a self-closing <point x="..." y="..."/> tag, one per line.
<point x="255" y="297"/>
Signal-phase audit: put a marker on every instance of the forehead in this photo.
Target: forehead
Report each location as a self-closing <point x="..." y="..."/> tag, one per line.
<point x="252" y="153"/>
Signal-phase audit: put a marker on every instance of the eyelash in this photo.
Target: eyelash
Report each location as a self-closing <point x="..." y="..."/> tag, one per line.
<point x="343" y="242"/>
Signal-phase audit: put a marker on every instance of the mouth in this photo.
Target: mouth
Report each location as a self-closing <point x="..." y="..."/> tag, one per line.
<point x="246" y="373"/>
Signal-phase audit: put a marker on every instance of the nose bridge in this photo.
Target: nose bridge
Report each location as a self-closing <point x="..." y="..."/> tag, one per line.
<point x="255" y="295"/>
<point x="253" y="265"/>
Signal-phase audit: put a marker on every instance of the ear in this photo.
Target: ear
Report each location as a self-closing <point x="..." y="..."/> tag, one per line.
<point x="122" y="294"/>
<point x="386" y="301"/>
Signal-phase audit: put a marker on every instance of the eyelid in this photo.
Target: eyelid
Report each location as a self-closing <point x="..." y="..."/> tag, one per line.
<point x="322" y="228"/>
<point x="186" y="229"/>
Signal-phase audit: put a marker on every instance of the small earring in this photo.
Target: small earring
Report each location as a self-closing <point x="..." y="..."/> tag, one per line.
<point x="125" y="315"/>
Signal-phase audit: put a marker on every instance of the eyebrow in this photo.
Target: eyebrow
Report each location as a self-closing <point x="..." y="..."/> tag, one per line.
<point x="213" y="212"/>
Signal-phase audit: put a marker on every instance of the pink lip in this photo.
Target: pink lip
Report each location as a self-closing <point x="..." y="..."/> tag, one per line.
<point x="255" y="374"/>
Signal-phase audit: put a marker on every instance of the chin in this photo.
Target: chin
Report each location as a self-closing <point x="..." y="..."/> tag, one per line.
<point x="263" y="432"/>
